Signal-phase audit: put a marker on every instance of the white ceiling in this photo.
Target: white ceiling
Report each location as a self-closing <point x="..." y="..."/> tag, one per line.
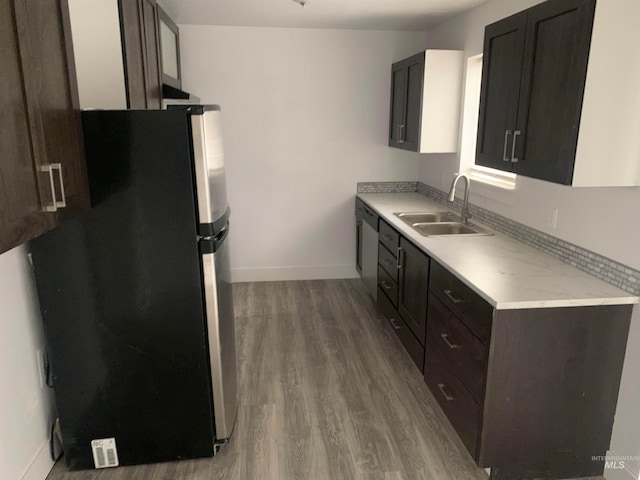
<point x="401" y="15"/>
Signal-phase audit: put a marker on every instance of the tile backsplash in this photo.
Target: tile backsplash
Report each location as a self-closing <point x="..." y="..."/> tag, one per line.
<point x="605" y="269"/>
<point x="387" y="187"/>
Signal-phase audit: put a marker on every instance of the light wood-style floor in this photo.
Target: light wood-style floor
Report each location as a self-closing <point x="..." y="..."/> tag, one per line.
<point x="326" y="393"/>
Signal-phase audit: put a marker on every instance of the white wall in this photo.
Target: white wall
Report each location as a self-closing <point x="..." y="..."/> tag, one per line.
<point x="26" y="409"/>
<point x="95" y="28"/>
<point x="603" y="220"/>
<point x="305" y="117"/>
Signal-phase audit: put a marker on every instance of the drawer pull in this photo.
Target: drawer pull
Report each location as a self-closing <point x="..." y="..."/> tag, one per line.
<point x="447" y="397"/>
<point x="56" y="204"/>
<point x="387" y="261"/>
<point x="385" y="285"/>
<point x="387" y="237"/>
<point x="506" y="137"/>
<point x="514" y="159"/>
<point x="445" y="337"/>
<point x="453" y="297"/>
<point x="393" y="324"/>
<point x="399" y="265"/>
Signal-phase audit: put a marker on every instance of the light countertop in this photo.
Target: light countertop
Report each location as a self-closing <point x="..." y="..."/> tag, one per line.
<point x="506" y="273"/>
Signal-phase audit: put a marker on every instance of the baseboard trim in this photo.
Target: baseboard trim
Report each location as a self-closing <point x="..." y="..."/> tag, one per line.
<point x="40" y="465"/>
<point x="277" y="274"/>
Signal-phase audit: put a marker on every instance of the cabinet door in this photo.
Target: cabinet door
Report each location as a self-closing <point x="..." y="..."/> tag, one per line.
<point x="52" y="102"/>
<point x="20" y="214"/>
<point x="413" y="288"/>
<point x="359" y="216"/>
<point x="501" y="72"/>
<point x="148" y="16"/>
<point x="132" y="50"/>
<point x="139" y="32"/>
<point x="554" y="73"/>
<point x="396" y="117"/>
<point x="413" y="106"/>
<point x="41" y="122"/>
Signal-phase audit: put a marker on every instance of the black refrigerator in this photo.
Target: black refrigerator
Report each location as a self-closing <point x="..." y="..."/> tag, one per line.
<point x="136" y="296"/>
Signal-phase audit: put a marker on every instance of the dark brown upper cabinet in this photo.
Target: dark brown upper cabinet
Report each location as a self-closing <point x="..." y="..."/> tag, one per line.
<point x="169" y="45"/>
<point x="139" y="31"/>
<point x="42" y="173"/>
<point x="425" y="102"/>
<point x="533" y="81"/>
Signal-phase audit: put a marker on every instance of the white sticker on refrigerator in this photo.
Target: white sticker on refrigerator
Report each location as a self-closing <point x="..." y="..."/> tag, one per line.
<point x="105" y="453"/>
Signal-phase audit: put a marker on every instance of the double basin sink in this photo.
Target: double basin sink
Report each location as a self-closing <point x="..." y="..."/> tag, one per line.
<point x="440" y="223"/>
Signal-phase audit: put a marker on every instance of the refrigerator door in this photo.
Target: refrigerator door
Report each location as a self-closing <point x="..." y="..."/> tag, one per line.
<point x="208" y="156"/>
<point x="221" y="331"/>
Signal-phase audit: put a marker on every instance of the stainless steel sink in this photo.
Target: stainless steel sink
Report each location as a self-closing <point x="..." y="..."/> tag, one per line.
<point x="440" y="223"/>
<point x="450" y="228"/>
<point x="427" y="217"/>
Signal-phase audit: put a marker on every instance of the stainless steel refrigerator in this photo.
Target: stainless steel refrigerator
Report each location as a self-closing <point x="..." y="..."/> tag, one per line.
<point x="136" y="296"/>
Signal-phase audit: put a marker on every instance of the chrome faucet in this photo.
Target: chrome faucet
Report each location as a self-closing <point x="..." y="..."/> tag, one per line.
<point x="464" y="215"/>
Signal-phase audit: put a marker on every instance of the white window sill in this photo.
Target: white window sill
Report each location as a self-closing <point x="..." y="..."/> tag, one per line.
<point x="495" y="178"/>
<point x="493" y="184"/>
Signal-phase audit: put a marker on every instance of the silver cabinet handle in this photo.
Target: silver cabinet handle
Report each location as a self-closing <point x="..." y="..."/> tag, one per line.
<point x="392" y="321"/>
<point x="445" y="337"/>
<point x="506" y="138"/>
<point x="385" y="285"/>
<point x="56" y="204"/>
<point x="399" y="265"/>
<point x="398" y="133"/>
<point x="401" y="133"/>
<point x="387" y="261"/>
<point x="448" y="398"/>
<point x="453" y="297"/>
<point x="387" y="237"/>
<point x="514" y="159"/>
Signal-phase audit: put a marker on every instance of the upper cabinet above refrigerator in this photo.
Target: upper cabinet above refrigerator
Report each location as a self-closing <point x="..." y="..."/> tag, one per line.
<point x="169" y="45"/>
<point x="425" y="102"/>
<point x="139" y="31"/>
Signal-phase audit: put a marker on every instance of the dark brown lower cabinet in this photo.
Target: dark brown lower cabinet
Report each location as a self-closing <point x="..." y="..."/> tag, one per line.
<point x="532" y="393"/>
<point x="413" y="285"/>
<point x="537" y="398"/>
<point x="406" y="337"/>
<point x="455" y="400"/>
<point x="390" y="271"/>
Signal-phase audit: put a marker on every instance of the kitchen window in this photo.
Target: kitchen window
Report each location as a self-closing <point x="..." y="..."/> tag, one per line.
<point x="488" y="176"/>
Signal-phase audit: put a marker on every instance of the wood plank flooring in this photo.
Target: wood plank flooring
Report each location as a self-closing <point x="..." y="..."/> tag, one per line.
<point x="326" y="392"/>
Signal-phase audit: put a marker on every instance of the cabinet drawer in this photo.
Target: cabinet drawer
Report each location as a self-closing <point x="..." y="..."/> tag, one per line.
<point x="389" y="238"/>
<point x="458" y="345"/>
<point x="456" y="402"/>
<point x="370" y="216"/>
<point x="411" y="345"/>
<point x="388" y="261"/>
<point x="388" y="285"/>
<point x="465" y="304"/>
